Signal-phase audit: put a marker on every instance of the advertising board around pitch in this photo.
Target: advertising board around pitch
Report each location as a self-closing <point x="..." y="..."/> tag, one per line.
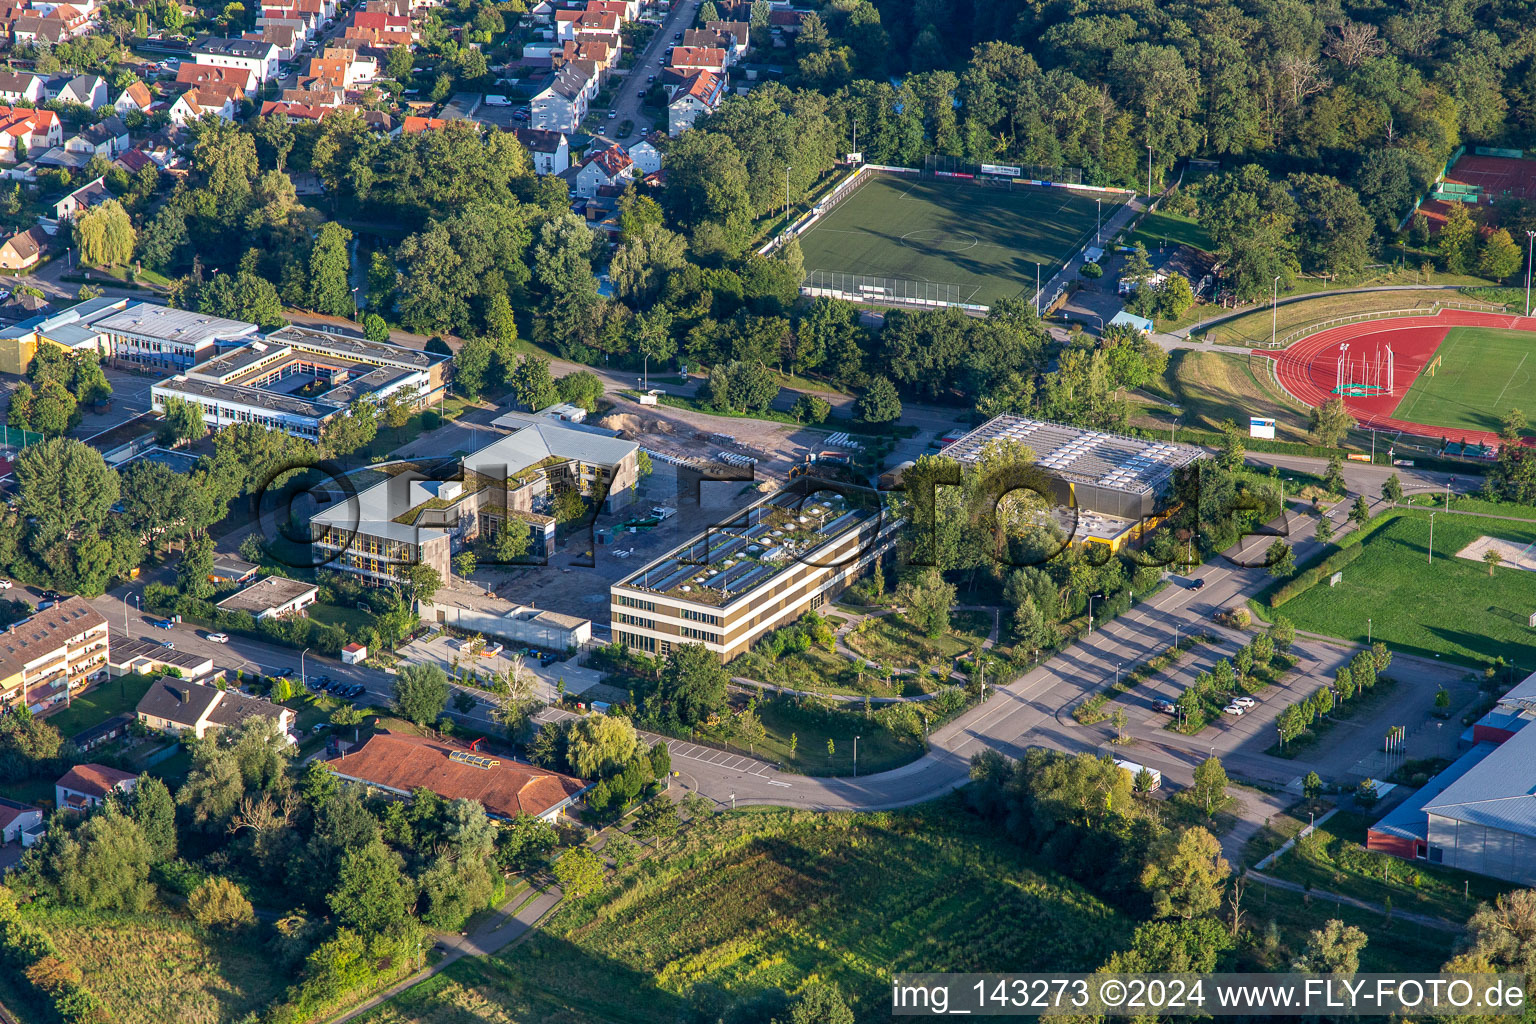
<point x="1260" y="427"/>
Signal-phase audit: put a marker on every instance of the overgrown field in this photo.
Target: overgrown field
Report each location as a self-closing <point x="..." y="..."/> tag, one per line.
<point x="770" y="900"/>
<point x="151" y="969"/>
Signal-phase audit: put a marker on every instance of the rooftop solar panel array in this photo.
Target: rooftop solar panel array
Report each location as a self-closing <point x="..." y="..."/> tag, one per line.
<point x="1090" y="456"/>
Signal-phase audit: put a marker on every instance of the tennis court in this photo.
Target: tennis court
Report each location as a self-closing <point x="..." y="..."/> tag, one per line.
<point x="1483" y="373"/>
<point x="983" y="242"/>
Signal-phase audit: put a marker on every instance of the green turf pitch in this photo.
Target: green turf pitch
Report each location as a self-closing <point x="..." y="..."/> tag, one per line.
<point x="1484" y="372"/>
<point x="983" y="240"/>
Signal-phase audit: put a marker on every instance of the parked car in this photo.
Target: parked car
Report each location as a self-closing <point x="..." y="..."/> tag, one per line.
<point x="356" y="690"/>
<point x="161" y="623"/>
<point x="1199" y="585"/>
<point x="612" y="114"/>
<point x="52" y="595"/>
<point x="1167" y="707"/>
<point x="651" y="78"/>
<point x="319" y="682"/>
<point x="290" y="671"/>
<point x="1244" y="702"/>
<point x="5" y="584"/>
<point x="167" y="645"/>
<point x="217" y="638"/>
<point x="677" y="35"/>
<point x="1234" y="710"/>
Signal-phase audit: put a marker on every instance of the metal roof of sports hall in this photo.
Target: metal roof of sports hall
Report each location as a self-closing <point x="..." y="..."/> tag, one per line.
<point x="1085" y="456"/>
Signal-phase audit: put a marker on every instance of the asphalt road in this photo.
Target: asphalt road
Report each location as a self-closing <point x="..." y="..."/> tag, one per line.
<point x="633" y="85"/>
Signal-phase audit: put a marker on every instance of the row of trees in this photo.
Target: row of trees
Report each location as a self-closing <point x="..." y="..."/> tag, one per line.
<point x="1359" y="676"/>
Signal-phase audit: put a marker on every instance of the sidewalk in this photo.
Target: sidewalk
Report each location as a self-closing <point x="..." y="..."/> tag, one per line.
<point x="490" y="936"/>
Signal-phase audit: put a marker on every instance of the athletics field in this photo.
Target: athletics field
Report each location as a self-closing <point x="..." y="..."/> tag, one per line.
<point x="975" y="243"/>
<point x="1483" y="372"/>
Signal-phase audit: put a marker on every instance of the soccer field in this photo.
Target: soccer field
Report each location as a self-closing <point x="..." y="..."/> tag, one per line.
<point x="1484" y="372"/>
<point x="985" y="242"/>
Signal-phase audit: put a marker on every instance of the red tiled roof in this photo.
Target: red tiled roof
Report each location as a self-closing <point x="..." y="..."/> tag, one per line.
<point x="93" y="779"/>
<point x="413" y="124"/>
<point x="405" y="763"/>
<point x="208" y="74"/>
<point x="697" y="56"/>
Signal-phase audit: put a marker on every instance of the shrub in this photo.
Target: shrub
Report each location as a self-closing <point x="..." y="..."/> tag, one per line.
<point x="219" y="902"/>
<point x="1310" y="577"/>
<point x="1092" y="271"/>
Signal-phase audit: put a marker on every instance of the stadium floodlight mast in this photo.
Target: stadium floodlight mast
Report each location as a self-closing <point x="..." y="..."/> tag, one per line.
<point x="1529" y="245"/>
<point x="1274" y="312"/>
<point x="1098" y="238"/>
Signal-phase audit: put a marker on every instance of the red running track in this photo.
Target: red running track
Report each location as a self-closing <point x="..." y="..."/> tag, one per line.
<point x="1308" y="370"/>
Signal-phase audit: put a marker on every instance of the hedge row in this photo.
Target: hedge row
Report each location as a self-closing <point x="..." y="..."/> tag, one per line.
<point x="1090" y="711"/>
<point x="1307" y="579"/>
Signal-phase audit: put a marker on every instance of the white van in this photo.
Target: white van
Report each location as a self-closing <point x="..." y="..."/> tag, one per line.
<point x="497" y="101"/>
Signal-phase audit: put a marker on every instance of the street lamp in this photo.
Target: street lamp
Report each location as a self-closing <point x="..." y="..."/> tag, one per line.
<point x="303" y="681"/>
<point x="855" y="757"/>
<point x="1367" y="632"/>
<point x="1274" y="312"/>
<point x="1100" y="320"/>
<point x="1100" y="596"/>
<point x="1149" y="174"/>
<point x="1037" y="289"/>
<point x="1431" y="539"/>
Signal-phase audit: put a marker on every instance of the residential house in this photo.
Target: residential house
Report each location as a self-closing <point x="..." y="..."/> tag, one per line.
<point x="562" y="105"/>
<point x="39" y="654"/>
<point x="711" y="38"/>
<point x="33" y="29"/>
<point x="209" y="101"/>
<point x="646" y="156"/>
<point x="16" y="86"/>
<point x="399" y="765"/>
<point x="256" y="56"/>
<point x="22" y="250"/>
<point x="287" y="39"/>
<point x="740" y="33"/>
<point x="87" y="195"/>
<point x="25" y="130"/>
<point x="199" y="75"/>
<point x="87" y="785"/>
<point x="133" y="656"/>
<point x="177" y="706"/>
<point x="107" y="138"/>
<point x="786" y="21"/>
<point x="133" y="161"/>
<point x="610" y="168"/>
<point x="701" y="95"/>
<point x="597" y="54"/>
<point x="87" y="90"/>
<point x="16" y="818"/>
<point x="412" y="125"/>
<point x="341" y="68"/>
<point x="550" y="151"/>
<point x="295" y="112"/>
<point x="136" y="97"/>
<point x="698" y="58"/>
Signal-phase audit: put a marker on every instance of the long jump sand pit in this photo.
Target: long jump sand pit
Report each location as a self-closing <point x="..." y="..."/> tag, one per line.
<point x="1516" y="556"/>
